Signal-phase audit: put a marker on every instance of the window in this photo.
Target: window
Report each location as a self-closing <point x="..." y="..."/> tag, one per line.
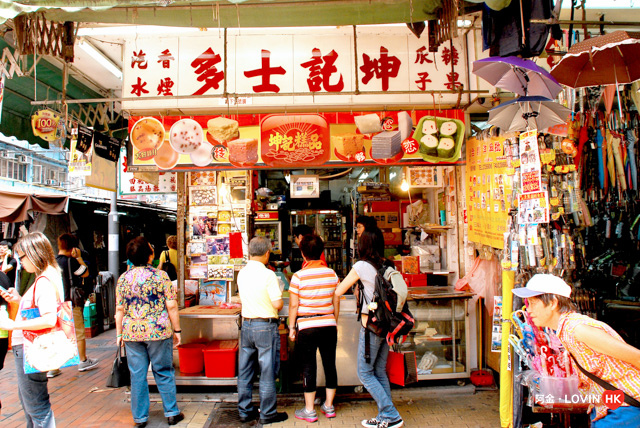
<point x="9" y="168"/>
<point x="36" y="177"/>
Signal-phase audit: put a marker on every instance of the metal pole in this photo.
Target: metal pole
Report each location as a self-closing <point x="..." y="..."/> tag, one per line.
<point x="114" y="234"/>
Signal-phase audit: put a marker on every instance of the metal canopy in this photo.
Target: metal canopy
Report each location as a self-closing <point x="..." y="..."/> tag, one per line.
<point x="229" y="14"/>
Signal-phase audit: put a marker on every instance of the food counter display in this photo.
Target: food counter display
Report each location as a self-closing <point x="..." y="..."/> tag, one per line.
<point x="440" y="335"/>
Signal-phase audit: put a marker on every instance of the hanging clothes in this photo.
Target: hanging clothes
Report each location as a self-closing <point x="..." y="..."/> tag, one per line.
<point x="502" y="31"/>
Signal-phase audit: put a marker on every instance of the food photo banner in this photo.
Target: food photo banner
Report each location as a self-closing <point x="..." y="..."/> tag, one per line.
<point x="374" y="66"/>
<point x="282" y="141"/>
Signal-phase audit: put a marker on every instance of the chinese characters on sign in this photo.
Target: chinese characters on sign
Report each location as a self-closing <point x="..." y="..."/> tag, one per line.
<point x="288" y="64"/>
<point x="295" y="140"/>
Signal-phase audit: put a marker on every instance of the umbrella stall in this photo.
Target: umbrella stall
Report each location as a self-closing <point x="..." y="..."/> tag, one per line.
<point x="569" y="176"/>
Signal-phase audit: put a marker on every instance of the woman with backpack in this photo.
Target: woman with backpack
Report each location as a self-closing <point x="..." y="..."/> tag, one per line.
<point x="170" y="257"/>
<point x="372" y="373"/>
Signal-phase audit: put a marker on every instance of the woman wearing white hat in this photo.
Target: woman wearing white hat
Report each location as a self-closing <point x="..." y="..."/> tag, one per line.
<point x="602" y="359"/>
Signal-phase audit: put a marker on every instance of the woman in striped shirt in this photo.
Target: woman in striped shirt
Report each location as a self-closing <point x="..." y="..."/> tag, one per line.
<point x="595" y="346"/>
<point x="313" y="312"/>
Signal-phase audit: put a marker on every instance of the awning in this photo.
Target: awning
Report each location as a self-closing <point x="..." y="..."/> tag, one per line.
<point x="227" y="14"/>
<point x="15" y="207"/>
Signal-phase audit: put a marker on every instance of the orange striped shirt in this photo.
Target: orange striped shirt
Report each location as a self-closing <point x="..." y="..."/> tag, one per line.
<point x="618" y="373"/>
<point x="314" y="285"/>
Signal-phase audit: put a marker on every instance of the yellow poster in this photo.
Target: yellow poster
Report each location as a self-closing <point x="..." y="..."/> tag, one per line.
<point x="489" y="189"/>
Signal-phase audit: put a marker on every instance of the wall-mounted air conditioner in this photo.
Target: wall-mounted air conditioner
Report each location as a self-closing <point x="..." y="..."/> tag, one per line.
<point x="21" y="158"/>
<point x="6" y="155"/>
<point x="50" y="182"/>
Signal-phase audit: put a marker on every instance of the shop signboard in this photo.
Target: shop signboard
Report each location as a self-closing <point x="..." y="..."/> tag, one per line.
<point x="245" y="68"/>
<point x="130" y="185"/>
<point x="489" y="186"/>
<point x="277" y="141"/>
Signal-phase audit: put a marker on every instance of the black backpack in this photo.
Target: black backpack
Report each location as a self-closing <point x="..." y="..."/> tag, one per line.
<point x="168" y="267"/>
<point x="384" y="319"/>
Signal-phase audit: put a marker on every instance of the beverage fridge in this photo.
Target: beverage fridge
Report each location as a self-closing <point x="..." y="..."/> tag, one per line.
<point x="330" y="225"/>
<point x="267" y="224"/>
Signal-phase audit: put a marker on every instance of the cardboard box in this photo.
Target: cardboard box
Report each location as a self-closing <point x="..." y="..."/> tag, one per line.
<point x="386" y="220"/>
<point x="392" y="238"/>
<point x="411" y="264"/>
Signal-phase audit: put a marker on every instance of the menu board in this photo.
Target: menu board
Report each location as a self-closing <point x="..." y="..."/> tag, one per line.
<point x="489" y="188"/>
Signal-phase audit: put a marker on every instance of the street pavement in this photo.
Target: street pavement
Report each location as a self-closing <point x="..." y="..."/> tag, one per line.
<point x="82" y="400"/>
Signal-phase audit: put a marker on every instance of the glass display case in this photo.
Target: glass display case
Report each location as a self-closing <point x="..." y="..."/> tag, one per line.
<point x="439" y="337"/>
<point x="330" y="226"/>
<point x="273" y="231"/>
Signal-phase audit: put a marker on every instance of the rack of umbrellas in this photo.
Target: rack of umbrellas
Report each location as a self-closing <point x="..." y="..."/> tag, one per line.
<point x="585" y="225"/>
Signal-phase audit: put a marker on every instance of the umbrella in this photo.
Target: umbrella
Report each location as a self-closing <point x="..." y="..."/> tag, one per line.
<point x="520" y="76"/>
<point x="603" y="60"/>
<point x="528" y="112"/>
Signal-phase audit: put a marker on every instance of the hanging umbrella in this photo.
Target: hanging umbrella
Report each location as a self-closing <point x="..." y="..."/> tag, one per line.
<point x="528" y="112"/>
<point x="603" y="60"/>
<point x="518" y="75"/>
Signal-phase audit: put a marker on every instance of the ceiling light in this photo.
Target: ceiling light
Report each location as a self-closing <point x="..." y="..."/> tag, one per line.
<point x="100" y="58"/>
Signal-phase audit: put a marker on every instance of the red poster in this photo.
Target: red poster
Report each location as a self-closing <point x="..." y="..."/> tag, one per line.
<point x="294" y="140"/>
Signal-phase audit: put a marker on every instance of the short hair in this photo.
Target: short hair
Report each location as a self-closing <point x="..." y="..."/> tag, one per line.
<point x="367" y="221"/>
<point x="369" y="247"/>
<point x="565" y="304"/>
<point x="6" y="243"/>
<point x="37" y="248"/>
<point x="302" y="229"/>
<point x="312" y="247"/>
<point x="138" y="251"/>
<point x="258" y="246"/>
<point x="67" y="241"/>
<point x="172" y="242"/>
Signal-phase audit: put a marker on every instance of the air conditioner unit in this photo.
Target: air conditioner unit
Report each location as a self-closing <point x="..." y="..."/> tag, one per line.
<point x="21" y="158"/>
<point x="50" y="182"/>
<point x="6" y="155"/>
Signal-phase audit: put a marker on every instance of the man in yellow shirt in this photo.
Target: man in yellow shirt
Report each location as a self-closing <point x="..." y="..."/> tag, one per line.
<point x="261" y="300"/>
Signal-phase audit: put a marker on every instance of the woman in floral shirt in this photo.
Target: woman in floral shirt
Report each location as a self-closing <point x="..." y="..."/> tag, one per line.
<point x="147" y="322"/>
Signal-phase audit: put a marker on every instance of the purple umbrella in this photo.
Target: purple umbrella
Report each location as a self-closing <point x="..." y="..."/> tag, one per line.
<point x="520" y="76"/>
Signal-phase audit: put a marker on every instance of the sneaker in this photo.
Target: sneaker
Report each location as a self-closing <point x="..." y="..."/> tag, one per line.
<point x="53" y="373"/>
<point x="306" y="415"/>
<point x="87" y="364"/>
<point x="329" y="412"/>
<point x="390" y="424"/>
<point x="370" y="423"/>
<point x="278" y="417"/>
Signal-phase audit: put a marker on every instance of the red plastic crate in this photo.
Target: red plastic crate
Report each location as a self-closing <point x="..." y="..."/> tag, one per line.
<point x="220" y="358"/>
<point x="191" y="358"/>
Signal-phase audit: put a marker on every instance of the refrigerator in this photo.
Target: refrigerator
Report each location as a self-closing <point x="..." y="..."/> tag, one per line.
<point x="272" y="229"/>
<point x="330" y="225"/>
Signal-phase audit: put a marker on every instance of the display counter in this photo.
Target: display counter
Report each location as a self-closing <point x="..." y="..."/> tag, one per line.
<point x="440" y="335"/>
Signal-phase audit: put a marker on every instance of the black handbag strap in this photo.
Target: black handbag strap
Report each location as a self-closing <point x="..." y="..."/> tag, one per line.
<point x="606" y="385"/>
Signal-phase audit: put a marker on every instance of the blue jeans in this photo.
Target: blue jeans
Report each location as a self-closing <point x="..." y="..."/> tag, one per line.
<point x="373" y="375"/>
<point x="624" y="416"/>
<point x="33" y="394"/>
<point x="160" y="354"/>
<point x="259" y="341"/>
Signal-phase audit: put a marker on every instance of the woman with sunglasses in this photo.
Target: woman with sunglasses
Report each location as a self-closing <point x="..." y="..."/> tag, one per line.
<point x="36" y="256"/>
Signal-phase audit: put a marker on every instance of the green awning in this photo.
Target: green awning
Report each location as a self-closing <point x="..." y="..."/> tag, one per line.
<point x="45" y="84"/>
<point x="229" y="14"/>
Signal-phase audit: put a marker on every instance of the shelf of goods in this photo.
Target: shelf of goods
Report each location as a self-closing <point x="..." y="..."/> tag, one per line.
<point x="204" y="324"/>
<point x="441" y="332"/>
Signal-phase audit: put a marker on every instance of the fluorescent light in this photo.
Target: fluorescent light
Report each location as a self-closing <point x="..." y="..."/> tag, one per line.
<point x="135" y="30"/>
<point x="100" y="58"/>
<point x="103" y="212"/>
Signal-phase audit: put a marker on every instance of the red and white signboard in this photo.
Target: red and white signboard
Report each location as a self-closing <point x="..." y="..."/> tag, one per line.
<point x="289" y="68"/>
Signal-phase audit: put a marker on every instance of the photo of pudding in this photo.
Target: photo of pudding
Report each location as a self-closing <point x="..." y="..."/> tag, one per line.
<point x="243" y="152"/>
<point x="186" y="136"/>
<point x="202" y="156"/>
<point x="166" y="157"/>
<point x="147" y="134"/>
